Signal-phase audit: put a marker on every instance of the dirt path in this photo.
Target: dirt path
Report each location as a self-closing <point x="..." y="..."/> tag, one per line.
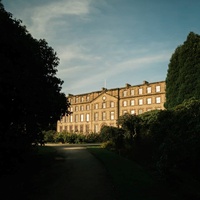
<point x="84" y="177"/>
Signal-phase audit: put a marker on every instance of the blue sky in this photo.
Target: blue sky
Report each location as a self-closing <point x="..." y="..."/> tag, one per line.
<point x="109" y="42"/>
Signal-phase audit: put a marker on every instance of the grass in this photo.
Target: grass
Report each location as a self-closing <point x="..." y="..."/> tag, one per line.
<point x="131" y="181"/>
<point x="33" y="176"/>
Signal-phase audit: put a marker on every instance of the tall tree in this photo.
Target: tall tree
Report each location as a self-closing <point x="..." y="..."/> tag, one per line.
<point x="31" y="98"/>
<point x="183" y="80"/>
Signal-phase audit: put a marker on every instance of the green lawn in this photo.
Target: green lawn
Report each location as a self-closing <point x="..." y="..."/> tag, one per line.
<point x="131" y="181"/>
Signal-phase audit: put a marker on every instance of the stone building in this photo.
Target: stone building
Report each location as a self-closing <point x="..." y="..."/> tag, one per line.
<point x="90" y="111"/>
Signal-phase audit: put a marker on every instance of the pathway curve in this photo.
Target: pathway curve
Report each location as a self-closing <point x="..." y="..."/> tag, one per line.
<point x="84" y="178"/>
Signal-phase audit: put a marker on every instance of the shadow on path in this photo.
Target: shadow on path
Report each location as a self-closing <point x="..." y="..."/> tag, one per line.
<point x="84" y="176"/>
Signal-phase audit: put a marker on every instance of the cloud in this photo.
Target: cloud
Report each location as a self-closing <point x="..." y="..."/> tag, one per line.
<point x="48" y="16"/>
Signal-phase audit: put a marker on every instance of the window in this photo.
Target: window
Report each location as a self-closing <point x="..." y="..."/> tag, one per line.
<point x="82" y="99"/>
<point x="81" y="128"/>
<point x="158" y="100"/>
<point x="81" y="117"/>
<point x="140" y="101"/>
<point x="88" y="98"/>
<point x="125" y="103"/>
<point x="87" y="107"/>
<point x="158" y="88"/>
<point x="112" y="104"/>
<point x="76" y="118"/>
<point x="103" y="115"/>
<point x="87" y="128"/>
<point x="71" y="118"/>
<point x="132" y="112"/>
<point x="132" y="102"/>
<point x="87" y="117"/>
<point x="104" y="105"/>
<point x="140" y="91"/>
<point x="140" y="111"/>
<point x="96" y="106"/>
<point x="112" y="115"/>
<point x="76" y="99"/>
<point x="96" y="116"/>
<point x="132" y="92"/>
<point x="71" y="128"/>
<point x="125" y="93"/>
<point x="148" y="109"/>
<point x="124" y="112"/>
<point x="76" y="108"/>
<point x="81" y="108"/>
<point x="96" y="128"/>
<point x="148" y="100"/>
<point x="76" y="128"/>
<point x="149" y="90"/>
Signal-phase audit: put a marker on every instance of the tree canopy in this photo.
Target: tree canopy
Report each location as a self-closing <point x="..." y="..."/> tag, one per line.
<point x="183" y="80"/>
<point x="31" y="98"/>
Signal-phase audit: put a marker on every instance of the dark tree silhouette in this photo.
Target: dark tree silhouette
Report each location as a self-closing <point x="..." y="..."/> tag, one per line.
<point x="31" y="98"/>
<point x="183" y="80"/>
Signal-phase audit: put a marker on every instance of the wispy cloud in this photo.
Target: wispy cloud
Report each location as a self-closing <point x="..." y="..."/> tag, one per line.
<point x="46" y="17"/>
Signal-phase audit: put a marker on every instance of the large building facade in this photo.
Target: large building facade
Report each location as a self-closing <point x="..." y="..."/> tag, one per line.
<point x="91" y="111"/>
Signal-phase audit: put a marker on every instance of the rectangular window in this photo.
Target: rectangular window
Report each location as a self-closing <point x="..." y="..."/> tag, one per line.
<point x="125" y="93"/>
<point x="140" y="101"/>
<point x="140" y="111"/>
<point x="140" y="91"/>
<point x="96" y="106"/>
<point x="81" y="128"/>
<point x="82" y="99"/>
<point x="71" y="128"/>
<point x="81" y="117"/>
<point x="112" y="104"/>
<point x="88" y="107"/>
<point x="158" y="100"/>
<point x="158" y="88"/>
<point x="96" y="128"/>
<point x="104" y="105"/>
<point x="132" y="112"/>
<point x="148" y="100"/>
<point x="82" y="108"/>
<point x="103" y="115"/>
<point x="112" y="115"/>
<point x="76" y="108"/>
<point x="87" y="117"/>
<point x="88" y="98"/>
<point x="149" y="90"/>
<point x="76" y="99"/>
<point x="71" y="118"/>
<point x="76" y="118"/>
<point x="132" y="92"/>
<point x="125" y="103"/>
<point x="132" y="102"/>
<point x="87" y="128"/>
<point x="96" y="116"/>
<point x="124" y="112"/>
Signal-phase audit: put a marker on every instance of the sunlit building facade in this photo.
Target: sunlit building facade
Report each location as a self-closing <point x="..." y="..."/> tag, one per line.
<point x="91" y="111"/>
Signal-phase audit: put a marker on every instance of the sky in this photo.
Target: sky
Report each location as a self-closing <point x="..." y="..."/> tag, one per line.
<point x="108" y="43"/>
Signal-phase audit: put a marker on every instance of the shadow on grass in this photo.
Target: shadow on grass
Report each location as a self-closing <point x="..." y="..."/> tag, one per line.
<point x="131" y="181"/>
<point x="33" y="175"/>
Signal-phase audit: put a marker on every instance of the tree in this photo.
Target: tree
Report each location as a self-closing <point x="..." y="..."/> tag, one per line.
<point x="131" y="124"/>
<point x="182" y="80"/>
<point x="31" y="98"/>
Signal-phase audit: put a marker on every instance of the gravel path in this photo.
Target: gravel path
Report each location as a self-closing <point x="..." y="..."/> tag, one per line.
<point x="84" y="177"/>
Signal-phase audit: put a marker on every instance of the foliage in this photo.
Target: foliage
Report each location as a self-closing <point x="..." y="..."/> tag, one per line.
<point x="31" y="98"/>
<point x="71" y="138"/>
<point x="112" y="136"/>
<point x="182" y="81"/>
<point x="131" y="124"/>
